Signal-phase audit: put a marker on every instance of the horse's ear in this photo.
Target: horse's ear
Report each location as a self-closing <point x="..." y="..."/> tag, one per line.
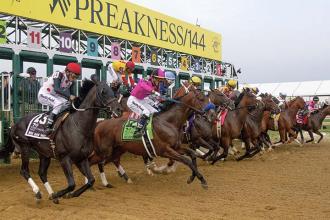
<point x="95" y="79"/>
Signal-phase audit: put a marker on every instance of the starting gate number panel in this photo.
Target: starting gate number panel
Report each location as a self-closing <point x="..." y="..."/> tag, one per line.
<point x="34" y="37"/>
<point x="154" y="58"/>
<point x="136" y="54"/>
<point x="184" y="63"/>
<point x="92" y="47"/>
<point x="115" y="51"/>
<point x="3" y="35"/>
<point x="65" y="42"/>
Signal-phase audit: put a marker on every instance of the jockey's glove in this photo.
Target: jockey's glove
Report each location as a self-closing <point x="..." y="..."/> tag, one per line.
<point x="157" y="93"/>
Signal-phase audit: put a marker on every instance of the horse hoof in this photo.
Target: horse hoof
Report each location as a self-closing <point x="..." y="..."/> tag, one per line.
<point x="38" y="195"/>
<point x="109" y="185"/>
<point x="68" y="196"/>
<point x="129" y="181"/>
<point x="205" y="186"/>
<point x="56" y="201"/>
<point x="190" y="179"/>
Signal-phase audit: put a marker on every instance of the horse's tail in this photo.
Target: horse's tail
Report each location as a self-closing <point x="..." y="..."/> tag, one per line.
<point x="8" y="148"/>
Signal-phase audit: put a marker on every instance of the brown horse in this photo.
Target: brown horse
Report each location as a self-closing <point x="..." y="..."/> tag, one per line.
<point x="286" y="121"/>
<point x="314" y="123"/>
<point x="234" y="122"/>
<point x="167" y="126"/>
<point x="252" y="127"/>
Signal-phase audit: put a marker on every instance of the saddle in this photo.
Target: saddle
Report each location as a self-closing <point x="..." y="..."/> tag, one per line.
<point x="37" y="126"/>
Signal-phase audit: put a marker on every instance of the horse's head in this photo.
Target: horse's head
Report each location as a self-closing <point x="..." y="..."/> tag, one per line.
<point x="191" y="96"/>
<point x="247" y="99"/>
<point x="220" y="99"/>
<point x="270" y="105"/>
<point x="297" y="103"/>
<point x="105" y="98"/>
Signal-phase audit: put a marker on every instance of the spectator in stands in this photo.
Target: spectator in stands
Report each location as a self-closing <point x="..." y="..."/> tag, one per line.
<point x="5" y="77"/>
<point x="28" y="89"/>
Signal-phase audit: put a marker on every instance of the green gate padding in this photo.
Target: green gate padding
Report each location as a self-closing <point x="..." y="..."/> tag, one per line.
<point x="129" y="128"/>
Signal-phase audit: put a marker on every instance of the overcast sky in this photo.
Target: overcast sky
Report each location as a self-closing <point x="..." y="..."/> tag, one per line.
<point x="272" y="41"/>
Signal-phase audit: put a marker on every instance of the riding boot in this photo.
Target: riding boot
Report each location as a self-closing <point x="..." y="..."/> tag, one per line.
<point x="49" y="123"/>
<point x="141" y="126"/>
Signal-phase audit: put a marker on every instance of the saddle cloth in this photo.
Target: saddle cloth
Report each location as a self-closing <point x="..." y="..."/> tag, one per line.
<point x="276" y="117"/>
<point x="302" y="119"/>
<point x="130" y="126"/>
<point x="37" y="127"/>
<point x="220" y="121"/>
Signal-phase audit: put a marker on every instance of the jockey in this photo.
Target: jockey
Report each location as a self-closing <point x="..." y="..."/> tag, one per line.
<point x="58" y="89"/>
<point x="312" y="105"/>
<point x="282" y="100"/>
<point x="127" y="74"/>
<point x="229" y="87"/>
<point x="170" y="81"/>
<point x="120" y="73"/>
<point x="196" y="82"/>
<point x="115" y="69"/>
<point x="139" y="101"/>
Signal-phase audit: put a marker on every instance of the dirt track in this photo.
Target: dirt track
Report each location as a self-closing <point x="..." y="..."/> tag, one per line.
<point x="291" y="182"/>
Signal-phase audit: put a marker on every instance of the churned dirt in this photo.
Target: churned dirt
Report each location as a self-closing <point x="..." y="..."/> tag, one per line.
<point x="291" y="182"/>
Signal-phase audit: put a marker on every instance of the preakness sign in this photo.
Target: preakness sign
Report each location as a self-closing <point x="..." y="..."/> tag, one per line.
<point x="121" y="19"/>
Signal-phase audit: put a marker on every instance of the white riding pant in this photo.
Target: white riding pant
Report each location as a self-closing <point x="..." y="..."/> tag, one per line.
<point x="56" y="102"/>
<point x="141" y="106"/>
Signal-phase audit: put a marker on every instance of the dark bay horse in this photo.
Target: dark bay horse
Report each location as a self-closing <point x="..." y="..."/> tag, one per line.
<point x="252" y="127"/>
<point x="167" y="127"/>
<point x="234" y="122"/>
<point x="73" y="140"/>
<point x="314" y="123"/>
<point x="201" y="130"/>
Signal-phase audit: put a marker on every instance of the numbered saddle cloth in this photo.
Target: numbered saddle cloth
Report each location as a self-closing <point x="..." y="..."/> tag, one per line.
<point x="37" y="127"/>
<point x="130" y="126"/>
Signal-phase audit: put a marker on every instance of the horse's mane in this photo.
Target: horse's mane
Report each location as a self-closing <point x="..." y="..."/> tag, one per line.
<point x="87" y="85"/>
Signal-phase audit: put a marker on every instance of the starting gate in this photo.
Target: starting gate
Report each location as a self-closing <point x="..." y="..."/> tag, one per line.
<point x="24" y="38"/>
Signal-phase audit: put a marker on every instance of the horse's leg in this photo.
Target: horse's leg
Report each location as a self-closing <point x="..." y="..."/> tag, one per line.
<point x="43" y="168"/>
<point x="149" y="165"/>
<point x="25" y="172"/>
<point x="66" y="164"/>
<point x="174" y="155"/>
<point x="121" y="171"/>
<point x="225" y="144"/>
<point x="311" y="136"/>
<point x="301" y="136"/>
<point x="204" y="143"/>
<point x="85" y="169"/>
<point x="320" y="134"/>
<point x="102" y="175"/>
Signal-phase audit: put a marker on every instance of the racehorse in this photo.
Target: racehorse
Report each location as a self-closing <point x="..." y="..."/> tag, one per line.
<point x="167" y="127"/>
<point x="314" y="123"/>
<point x="72" y="139"/>
<point x="234" y="122"/>
<point x="286" y="121"/>
<point x="252" y="127"/>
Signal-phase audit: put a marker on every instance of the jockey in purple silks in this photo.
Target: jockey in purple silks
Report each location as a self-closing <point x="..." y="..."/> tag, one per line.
<point x="139" y="101"/>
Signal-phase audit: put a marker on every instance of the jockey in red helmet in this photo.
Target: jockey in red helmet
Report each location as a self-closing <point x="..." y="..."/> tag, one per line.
<point x="58" y="89"/>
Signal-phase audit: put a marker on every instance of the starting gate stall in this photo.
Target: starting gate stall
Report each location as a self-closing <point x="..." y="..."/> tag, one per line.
<point x="94" y="33"/>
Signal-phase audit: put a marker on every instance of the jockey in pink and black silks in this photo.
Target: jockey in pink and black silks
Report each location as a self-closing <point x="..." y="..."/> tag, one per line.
<point x="312" y="105"/>
<point x="58" y="90"/>
<point x="139" y="101"/>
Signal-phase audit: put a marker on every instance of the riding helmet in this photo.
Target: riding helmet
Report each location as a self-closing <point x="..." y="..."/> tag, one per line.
<point x="232" y="83"/>
<point x="316" y="99"/>
<point x="196" y="80"/>
<point x="74" y="68"/>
